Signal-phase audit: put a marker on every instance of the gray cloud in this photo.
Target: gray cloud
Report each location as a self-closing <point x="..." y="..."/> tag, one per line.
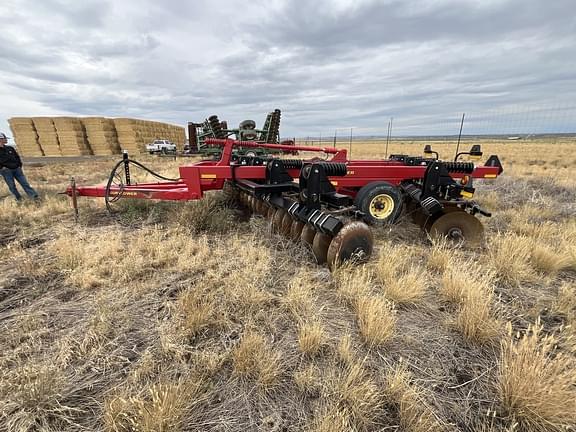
<point x="326" y="64"/>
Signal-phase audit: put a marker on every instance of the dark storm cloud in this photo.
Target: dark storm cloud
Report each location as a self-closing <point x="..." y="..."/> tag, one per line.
<point x="378" y="23"/>
<point x="326" y="64"/>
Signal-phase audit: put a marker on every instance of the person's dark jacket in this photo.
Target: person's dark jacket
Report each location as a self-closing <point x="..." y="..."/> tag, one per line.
<point x="9" y="158"/>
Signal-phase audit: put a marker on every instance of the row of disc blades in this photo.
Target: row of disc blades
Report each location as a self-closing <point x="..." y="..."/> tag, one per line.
<point x="353" y="242"/>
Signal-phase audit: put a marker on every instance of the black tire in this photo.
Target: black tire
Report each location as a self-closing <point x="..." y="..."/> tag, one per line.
<point x="388" y="197"/>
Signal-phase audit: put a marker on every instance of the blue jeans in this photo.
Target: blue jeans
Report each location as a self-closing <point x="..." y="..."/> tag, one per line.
<point x="17" y="174"/>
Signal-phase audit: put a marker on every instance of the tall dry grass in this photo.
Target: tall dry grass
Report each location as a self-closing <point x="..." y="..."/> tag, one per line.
<point x="536" y="380"/>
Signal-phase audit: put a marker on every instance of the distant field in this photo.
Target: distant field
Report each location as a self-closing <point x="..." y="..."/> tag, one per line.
<point x="188" y="317"/>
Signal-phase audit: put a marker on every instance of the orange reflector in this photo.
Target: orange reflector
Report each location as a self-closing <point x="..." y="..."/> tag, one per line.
<point x="465" y="180"/>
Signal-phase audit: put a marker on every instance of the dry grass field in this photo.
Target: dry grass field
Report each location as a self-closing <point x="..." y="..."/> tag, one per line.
<point x="190" y="317"/>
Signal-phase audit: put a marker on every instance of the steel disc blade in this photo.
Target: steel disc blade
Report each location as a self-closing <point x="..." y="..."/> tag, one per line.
<point x="257" y="206"/>
<point x="263" y="208"/>
<point x="430" y="219"/>
<point x="296" y="230"/>
<point x="320" y="247"/>
<point x="458" y="226"/>
<point x="277" y="220"/>
<point x="308" y="233"/>
<point x="286" y="224"/>
<point x="354" y="242"/>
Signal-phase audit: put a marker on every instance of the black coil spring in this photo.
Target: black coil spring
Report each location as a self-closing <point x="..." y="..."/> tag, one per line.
<point x="334" y="168"/>
<point x="459" y="167"/>
<point x="292" y="163"/>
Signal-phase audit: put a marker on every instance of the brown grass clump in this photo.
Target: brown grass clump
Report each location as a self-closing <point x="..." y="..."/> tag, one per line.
<point x="509" y="255"/>
<point x="356" y="398"/>
<point x="311" y="338"/>
<point x="32" y="397"/>
<point x="209" y="214"/>
<point x="299" y="299"/>
<point x="439" y="256"/>
<point x="376" y="319"/>
<point x="566" y="302"/>
<point x="254" y="358"/>
<point x="547" y="260"/>
<point x="161" y="409"/>
<point x="334" y="420"/>
<point x="198" y="310"/>
<point x="402" y="282"/>
<point x="308" y="380"/>
<point x="465" y="285"/>
<point x="345" y="350"/>
<point x="456" y="282"/>
<point x="414" y="413"/>
<point x="408" y="288"/>
<point x="353" y="282"/>
<point x="536" y="381"/>
<point x="474" y="318"/>
<point x="394" y="261"/>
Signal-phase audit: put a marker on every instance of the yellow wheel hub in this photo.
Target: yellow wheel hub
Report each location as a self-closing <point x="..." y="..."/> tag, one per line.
<point x="381" y="206"/>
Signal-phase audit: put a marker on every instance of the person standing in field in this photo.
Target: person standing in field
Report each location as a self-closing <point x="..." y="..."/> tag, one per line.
<point x="11" y="170"/>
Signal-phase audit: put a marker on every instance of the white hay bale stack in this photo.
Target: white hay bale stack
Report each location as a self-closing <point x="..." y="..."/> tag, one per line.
<point x="25" y="136"/>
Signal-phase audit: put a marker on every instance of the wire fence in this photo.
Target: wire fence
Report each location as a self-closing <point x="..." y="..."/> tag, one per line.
<point x="516" y="122"/>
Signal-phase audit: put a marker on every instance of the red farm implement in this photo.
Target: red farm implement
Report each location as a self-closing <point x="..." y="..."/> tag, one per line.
<point x="327" y="203"/>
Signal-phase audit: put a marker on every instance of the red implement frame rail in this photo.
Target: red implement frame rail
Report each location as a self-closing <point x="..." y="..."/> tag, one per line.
<point x="203" y="176"/>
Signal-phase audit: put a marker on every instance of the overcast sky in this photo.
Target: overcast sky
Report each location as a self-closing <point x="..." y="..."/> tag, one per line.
<point x="509" y="64"/>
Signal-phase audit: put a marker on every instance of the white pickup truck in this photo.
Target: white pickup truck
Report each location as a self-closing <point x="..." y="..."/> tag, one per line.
<point x="161" y="146"/>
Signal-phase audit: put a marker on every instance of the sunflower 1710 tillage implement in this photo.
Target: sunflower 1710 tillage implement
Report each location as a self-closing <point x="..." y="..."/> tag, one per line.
<point x="326" y="203"/>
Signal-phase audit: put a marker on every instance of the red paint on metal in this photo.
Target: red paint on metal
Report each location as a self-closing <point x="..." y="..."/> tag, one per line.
<point x="209" y="175"/>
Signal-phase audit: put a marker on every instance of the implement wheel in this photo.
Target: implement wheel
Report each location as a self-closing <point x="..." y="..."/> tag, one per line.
<point x="380" y="202"/>
<point x="320" y="247"/>
<point x="354" y="242"/>
<point x="458" y="227"/>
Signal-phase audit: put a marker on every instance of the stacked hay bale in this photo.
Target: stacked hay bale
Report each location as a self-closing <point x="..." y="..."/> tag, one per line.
<point x="47" y="136"/>
<point x="133" y="135"/>
<point x="72" y="136"/>
<point x="128" y="138"/>
<point x="25" y="136"/>
<point x="101" y="135"/>
<point x="173" y="133"/>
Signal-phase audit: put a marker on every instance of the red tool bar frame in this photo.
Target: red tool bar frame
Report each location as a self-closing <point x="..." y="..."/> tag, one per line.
<point x="202" y="176"/>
